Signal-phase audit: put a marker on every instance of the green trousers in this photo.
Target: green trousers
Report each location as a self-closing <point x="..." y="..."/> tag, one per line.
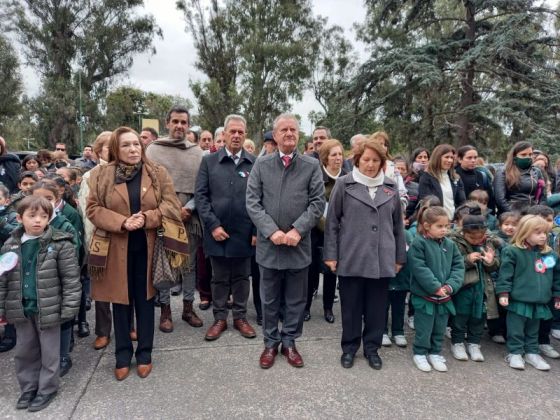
<point x="522" y="334"/>
<point x="430" y="330"/>
<point x="466" y="324"/>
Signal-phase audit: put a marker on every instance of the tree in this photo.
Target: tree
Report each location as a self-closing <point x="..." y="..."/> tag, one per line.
<point x="257" y="56"/>
<point x="10" y="82"/>
<point x="95" y="38"/>
<point x="461" y="71"/>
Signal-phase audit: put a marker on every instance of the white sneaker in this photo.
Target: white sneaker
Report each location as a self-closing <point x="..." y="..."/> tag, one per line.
<point x="515" y="361"/>
<point x="421" y="363"/>
<point x="548" y="351"/>
<point x="458" y="351"/>
<point x="438" y="362"/>
<point x="448" y="332"/>
<point x="386" y="342"/>
<point x="499" y="339"/>
<point x="555" y="334"/>
<point x="400" y="340"/>
<point x="474" y="352"/>
<point x="410" y="322"/>
<point x="536" y="361"/>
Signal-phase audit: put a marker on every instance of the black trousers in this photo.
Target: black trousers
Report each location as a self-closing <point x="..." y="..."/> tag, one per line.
<point x="329" y="289"/>
<point x="396" y="302"/>
<point x="363" y="299"/>
<point x="231" y="275"/>
<point x="144" y="308"/>
<point x="255" y="285"/>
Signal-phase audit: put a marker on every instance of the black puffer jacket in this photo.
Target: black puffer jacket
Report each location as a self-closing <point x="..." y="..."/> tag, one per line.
<point x="525" y="194"/>
<point x="57" y="279"/>
<point x="10" y="167"/>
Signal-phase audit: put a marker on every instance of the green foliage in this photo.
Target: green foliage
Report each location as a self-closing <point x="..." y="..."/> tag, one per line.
<point x="10" y="83"/>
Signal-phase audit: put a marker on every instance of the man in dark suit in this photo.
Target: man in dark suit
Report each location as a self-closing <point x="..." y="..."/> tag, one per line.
<point x="228" y="230"/>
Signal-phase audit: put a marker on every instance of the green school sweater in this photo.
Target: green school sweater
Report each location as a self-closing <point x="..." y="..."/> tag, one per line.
<point x="29" y="253"/>
<point x="402" y="280"/>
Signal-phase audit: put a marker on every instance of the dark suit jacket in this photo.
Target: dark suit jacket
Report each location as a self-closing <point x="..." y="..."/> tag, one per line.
<point x="429" y="185"/>
<point x="220" y="201"/>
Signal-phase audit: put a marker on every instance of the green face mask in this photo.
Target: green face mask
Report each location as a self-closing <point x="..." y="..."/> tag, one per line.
<point x="523" y="163"/>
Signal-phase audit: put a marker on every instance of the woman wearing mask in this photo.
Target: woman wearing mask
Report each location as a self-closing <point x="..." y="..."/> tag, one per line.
<point x="472" y="177"/>
<point x="519" y="184"/>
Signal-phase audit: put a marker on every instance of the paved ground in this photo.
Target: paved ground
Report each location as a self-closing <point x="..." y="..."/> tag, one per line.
<point x="199" y="380"/>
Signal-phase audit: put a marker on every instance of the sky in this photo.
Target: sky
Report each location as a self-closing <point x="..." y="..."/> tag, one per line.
<point x="171" y="68"/>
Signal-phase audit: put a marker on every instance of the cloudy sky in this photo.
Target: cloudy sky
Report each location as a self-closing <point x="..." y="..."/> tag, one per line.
<point x="171" y="68"/>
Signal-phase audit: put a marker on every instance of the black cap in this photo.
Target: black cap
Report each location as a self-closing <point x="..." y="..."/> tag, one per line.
<point x="268" y="137"/>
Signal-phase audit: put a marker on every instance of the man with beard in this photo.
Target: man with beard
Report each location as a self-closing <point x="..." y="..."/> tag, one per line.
<point x="182" y="160"/>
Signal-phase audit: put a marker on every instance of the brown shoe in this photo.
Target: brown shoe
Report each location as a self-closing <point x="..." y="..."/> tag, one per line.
<point x="165" y="320"/>
<point x="144" y="370"/>
<point x="294" y="358"/>
<point x="101" y="342"/>
<point x="244" y="328"/>
<point x="133" y="335"/>
<point x="267" y="357"/>
<point x="122" y="373"/>
<point x="189" y="315"/>
<point x="216" y="330"/>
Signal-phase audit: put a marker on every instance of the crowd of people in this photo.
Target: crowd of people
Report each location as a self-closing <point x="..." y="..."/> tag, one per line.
<point x="438" y="241"/>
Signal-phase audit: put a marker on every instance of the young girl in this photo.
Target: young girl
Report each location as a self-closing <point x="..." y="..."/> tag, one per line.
<point x="47" y="189"/>
<point x="529" y="277"/>
<point x="42" y="292"/>
<point x="476" y="300"/>
<point x="437" y="272"/>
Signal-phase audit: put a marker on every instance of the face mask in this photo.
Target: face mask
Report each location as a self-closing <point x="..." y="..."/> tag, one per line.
<point x="523" y="163"/>
<point x="2" y="208"/>
<point x="417" y="167"/>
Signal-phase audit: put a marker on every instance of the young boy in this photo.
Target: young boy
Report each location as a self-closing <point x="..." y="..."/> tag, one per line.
<point x="545" y="327"/>
<point x="8" y="222"/>
<point x="482" y="198"/>
<point x="40" y="293"/>
<point x="26" y="181"/>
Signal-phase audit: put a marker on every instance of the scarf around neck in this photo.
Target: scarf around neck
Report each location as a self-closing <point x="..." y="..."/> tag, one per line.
<point x="126" y="172"/>
<point x="370" y="183"/>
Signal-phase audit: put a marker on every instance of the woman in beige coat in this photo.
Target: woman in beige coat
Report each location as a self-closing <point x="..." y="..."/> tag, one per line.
<point x="129" y="199"/>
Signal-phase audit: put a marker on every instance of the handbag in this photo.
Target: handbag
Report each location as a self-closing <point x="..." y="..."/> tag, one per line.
<point x="163" y="275"/>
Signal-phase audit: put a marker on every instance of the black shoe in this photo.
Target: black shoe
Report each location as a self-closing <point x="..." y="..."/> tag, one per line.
<point x="259" y="320"/>
<point x="65" y="366"/>
<point x="88" y="303"/>
<point x="24" y="400"/>
<point x="83" y="329"/>
<point x="347" y="360"/>
<point x="175" y="293"/>
<point x="374" y="361"/>
<point x="41" y="401"/>
<point x="329" y="316"/>
<point x="204" y="305"/>
<point x="7" y="344"/>
<point x="306" y="316"/>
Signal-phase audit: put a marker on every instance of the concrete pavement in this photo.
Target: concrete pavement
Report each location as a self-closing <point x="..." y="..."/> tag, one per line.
<point x="196" y="379"/>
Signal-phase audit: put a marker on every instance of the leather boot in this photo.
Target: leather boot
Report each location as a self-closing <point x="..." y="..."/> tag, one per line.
<point x="189" y="315"/>
<point x="165" y="321"/>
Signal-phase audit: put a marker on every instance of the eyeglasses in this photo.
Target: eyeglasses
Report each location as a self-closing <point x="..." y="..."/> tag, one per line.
<point x="60" y="149"/>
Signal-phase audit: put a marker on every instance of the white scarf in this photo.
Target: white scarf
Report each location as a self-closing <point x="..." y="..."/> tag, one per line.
<point x="370" y="183"/>
<point x="332" y="176"/>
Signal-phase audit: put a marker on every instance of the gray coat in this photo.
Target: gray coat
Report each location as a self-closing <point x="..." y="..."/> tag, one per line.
<point x="285" y="198"/>
<point x="57" y="278"/>
<point x="366" y="237"/>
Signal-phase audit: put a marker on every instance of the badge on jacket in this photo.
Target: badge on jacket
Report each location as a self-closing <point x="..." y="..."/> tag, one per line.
<point x="243" y="174"/>
<point x="539" y="266"/>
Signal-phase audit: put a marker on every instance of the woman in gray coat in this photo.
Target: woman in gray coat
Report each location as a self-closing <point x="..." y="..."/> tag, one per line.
<point x="365" y="246"/>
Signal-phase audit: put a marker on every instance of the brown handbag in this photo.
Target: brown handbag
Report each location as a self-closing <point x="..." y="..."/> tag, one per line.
<point x="163" y="275"/>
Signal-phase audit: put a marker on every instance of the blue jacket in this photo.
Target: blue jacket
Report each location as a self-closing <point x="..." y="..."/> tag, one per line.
<point x="220" y="200"/>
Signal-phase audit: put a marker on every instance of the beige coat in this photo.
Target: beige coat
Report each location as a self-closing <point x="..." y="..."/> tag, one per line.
<point x="113" y="286"/>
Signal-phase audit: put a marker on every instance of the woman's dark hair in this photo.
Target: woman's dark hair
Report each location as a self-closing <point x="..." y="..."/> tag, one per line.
<point x="462" y="151"/>
<point x="416" y="152"/>
<point x="474" y="222"/>
<point x="34" y="203"/>
<point x="468" y="207"/>
<point x="511" y="170"/>
<point x="434" y="165"/>
<point x="27" y="158"/>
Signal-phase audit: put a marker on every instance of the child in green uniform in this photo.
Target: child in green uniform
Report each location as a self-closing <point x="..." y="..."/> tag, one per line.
<point x="545" y="347"/>
<point x="38" y="295"/>
<point x="482" y="198"/>
<point x="26" y="181"/>
<point x="47" y="189"/>
<point x="529" y="278"/>
<point x="476" y="299"/>
<point x="437" y="272"/>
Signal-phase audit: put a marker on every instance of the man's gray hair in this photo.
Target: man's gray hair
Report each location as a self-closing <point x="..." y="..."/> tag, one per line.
<point x="235" y="117"/>
<point x="284" y="116"/>
<point x="218" y="131"/>
<point x="356" y="137"/>
<point x="321" y="127"/>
